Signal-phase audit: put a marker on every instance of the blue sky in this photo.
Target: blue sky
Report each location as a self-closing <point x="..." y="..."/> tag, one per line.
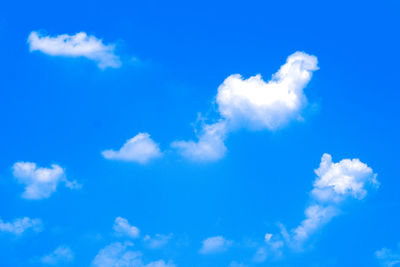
<point x="126" y="142"/>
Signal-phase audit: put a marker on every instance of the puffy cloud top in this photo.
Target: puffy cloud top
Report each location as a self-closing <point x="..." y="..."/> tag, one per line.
<point x="215" y="244"/>
<point x="122" y="226"/>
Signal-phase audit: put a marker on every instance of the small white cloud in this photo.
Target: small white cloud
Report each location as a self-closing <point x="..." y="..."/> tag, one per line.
<point x="122" y="227"/>
<point x="388" y="257"/>
<point x="157" y="241"/>
<point x="40" y="182"/>
<point x="215" y="244"/>
<point x="19" y="226"/>
<point x="140" y="148"/>
<point x="62" y="254"/>
<point x="209" y="147"/>
<point x="255" y="104"/>
<point x="78" y="45"/>
<point x="120" y="255"/>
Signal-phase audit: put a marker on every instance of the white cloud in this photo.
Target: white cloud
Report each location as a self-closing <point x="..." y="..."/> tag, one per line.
<point x="122" y="226"/>
<point x="335" y="182"/>
<point x="210" y="145"/>
<point x="120" y="255"/>
<point x="62" y="254"/>
<point x="19" y="226"/>
<point x="157" y="241"/>
<point x="78" y="45"/>
<point x="215" y="244"/>
<point x="259" y="104"/>
<point x="255" y="104"/>
<point x="388" y="257"/>
<point x="140" y="148"/>
<point x="40" y="182"/>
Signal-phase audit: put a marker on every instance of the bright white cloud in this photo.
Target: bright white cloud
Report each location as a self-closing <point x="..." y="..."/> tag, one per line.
<point x="19" y="226"/>
<point x="62" y="254"/>
<point x="140" y="148"/>
<point x="335" y="183"/>
<point x="388" y="257"/>
<point x="157" y="240"/>
<point x="40" y="182"/>
<point x="120" y="255"/>
<point x="78" y="45"/>
<point x="258" y="104"/>
<point x="210" y="145"/>
<point x="215" y="244"/>
<point x="122" y="226"/>
<point x="255" y="104"/>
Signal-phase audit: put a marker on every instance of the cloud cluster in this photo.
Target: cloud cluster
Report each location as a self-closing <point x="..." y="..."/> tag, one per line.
<point x="215" y="244"/>
<point x="62" y="254"/>
<point x="122" y="227"/>
<point x="140" y="148"/>
<point x="121" y="255"/>
<point x="78" y="45"/>
<point x="253" y="104"/>
<point x="40" y="182"/>
<point x="19" y="226"/>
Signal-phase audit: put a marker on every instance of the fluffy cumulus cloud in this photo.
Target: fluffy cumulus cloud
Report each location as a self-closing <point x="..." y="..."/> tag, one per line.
<point x="122" y="227"/>
<point x="78" y="45"/>
<point x="19" y="226"/>
<point x="387" y="257"/>
<point x="121" y="255"/>
<point x="215" y="244"/>
<point x="140" y="148"/>
<point x="157" y="241"/>
<point x="40" y="182"/>
<point x="335" y="183"/>
<point x="62" y="254"/>
<point x="254" y="104"/>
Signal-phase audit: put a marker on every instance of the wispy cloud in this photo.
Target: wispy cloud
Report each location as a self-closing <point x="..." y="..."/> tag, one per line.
<point x="120" y="254"/>
<point x="61" y="254"/>
<point x="77" y="45"/>
<point x="388" y="257"/>
<point x="140" y="148"/>
<point x="122" y="227"/>
<point x="20" y="225"/>
<point x="215" y="244"/>
<point x="254" y="104"/>
<point x="157" y="241"/>
<point x="40" y="182"/>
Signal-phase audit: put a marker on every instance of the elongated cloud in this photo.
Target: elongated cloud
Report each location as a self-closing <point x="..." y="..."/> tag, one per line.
<point x="61" y="254"/>
<point x="157" y="241"/>
<point x="335" y="183"/>
<point x="254" y="104"/>
<point x="40" y="182"/>
<point x="121" y="255"/>
<point x="19" y="226"/>
<point x="215" y="244"/>
<point x="78" y="45"/>
<point x="140" y="148"/>
<point x="122" y="227"/>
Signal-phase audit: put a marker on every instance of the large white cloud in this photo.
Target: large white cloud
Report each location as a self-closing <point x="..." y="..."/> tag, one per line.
<point x="121" y="255"/>
<point x="254" y="104"/>
<point x="60" y="255"/>
<point x="140" y="148"/>
<point x="20" y="225"/>
<point x="215" y="244"/>
<point x="78" y="45"/>
<point x="258" y="104"/>
<point x="122" y="226"/>
<point x="40" y="182"/>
